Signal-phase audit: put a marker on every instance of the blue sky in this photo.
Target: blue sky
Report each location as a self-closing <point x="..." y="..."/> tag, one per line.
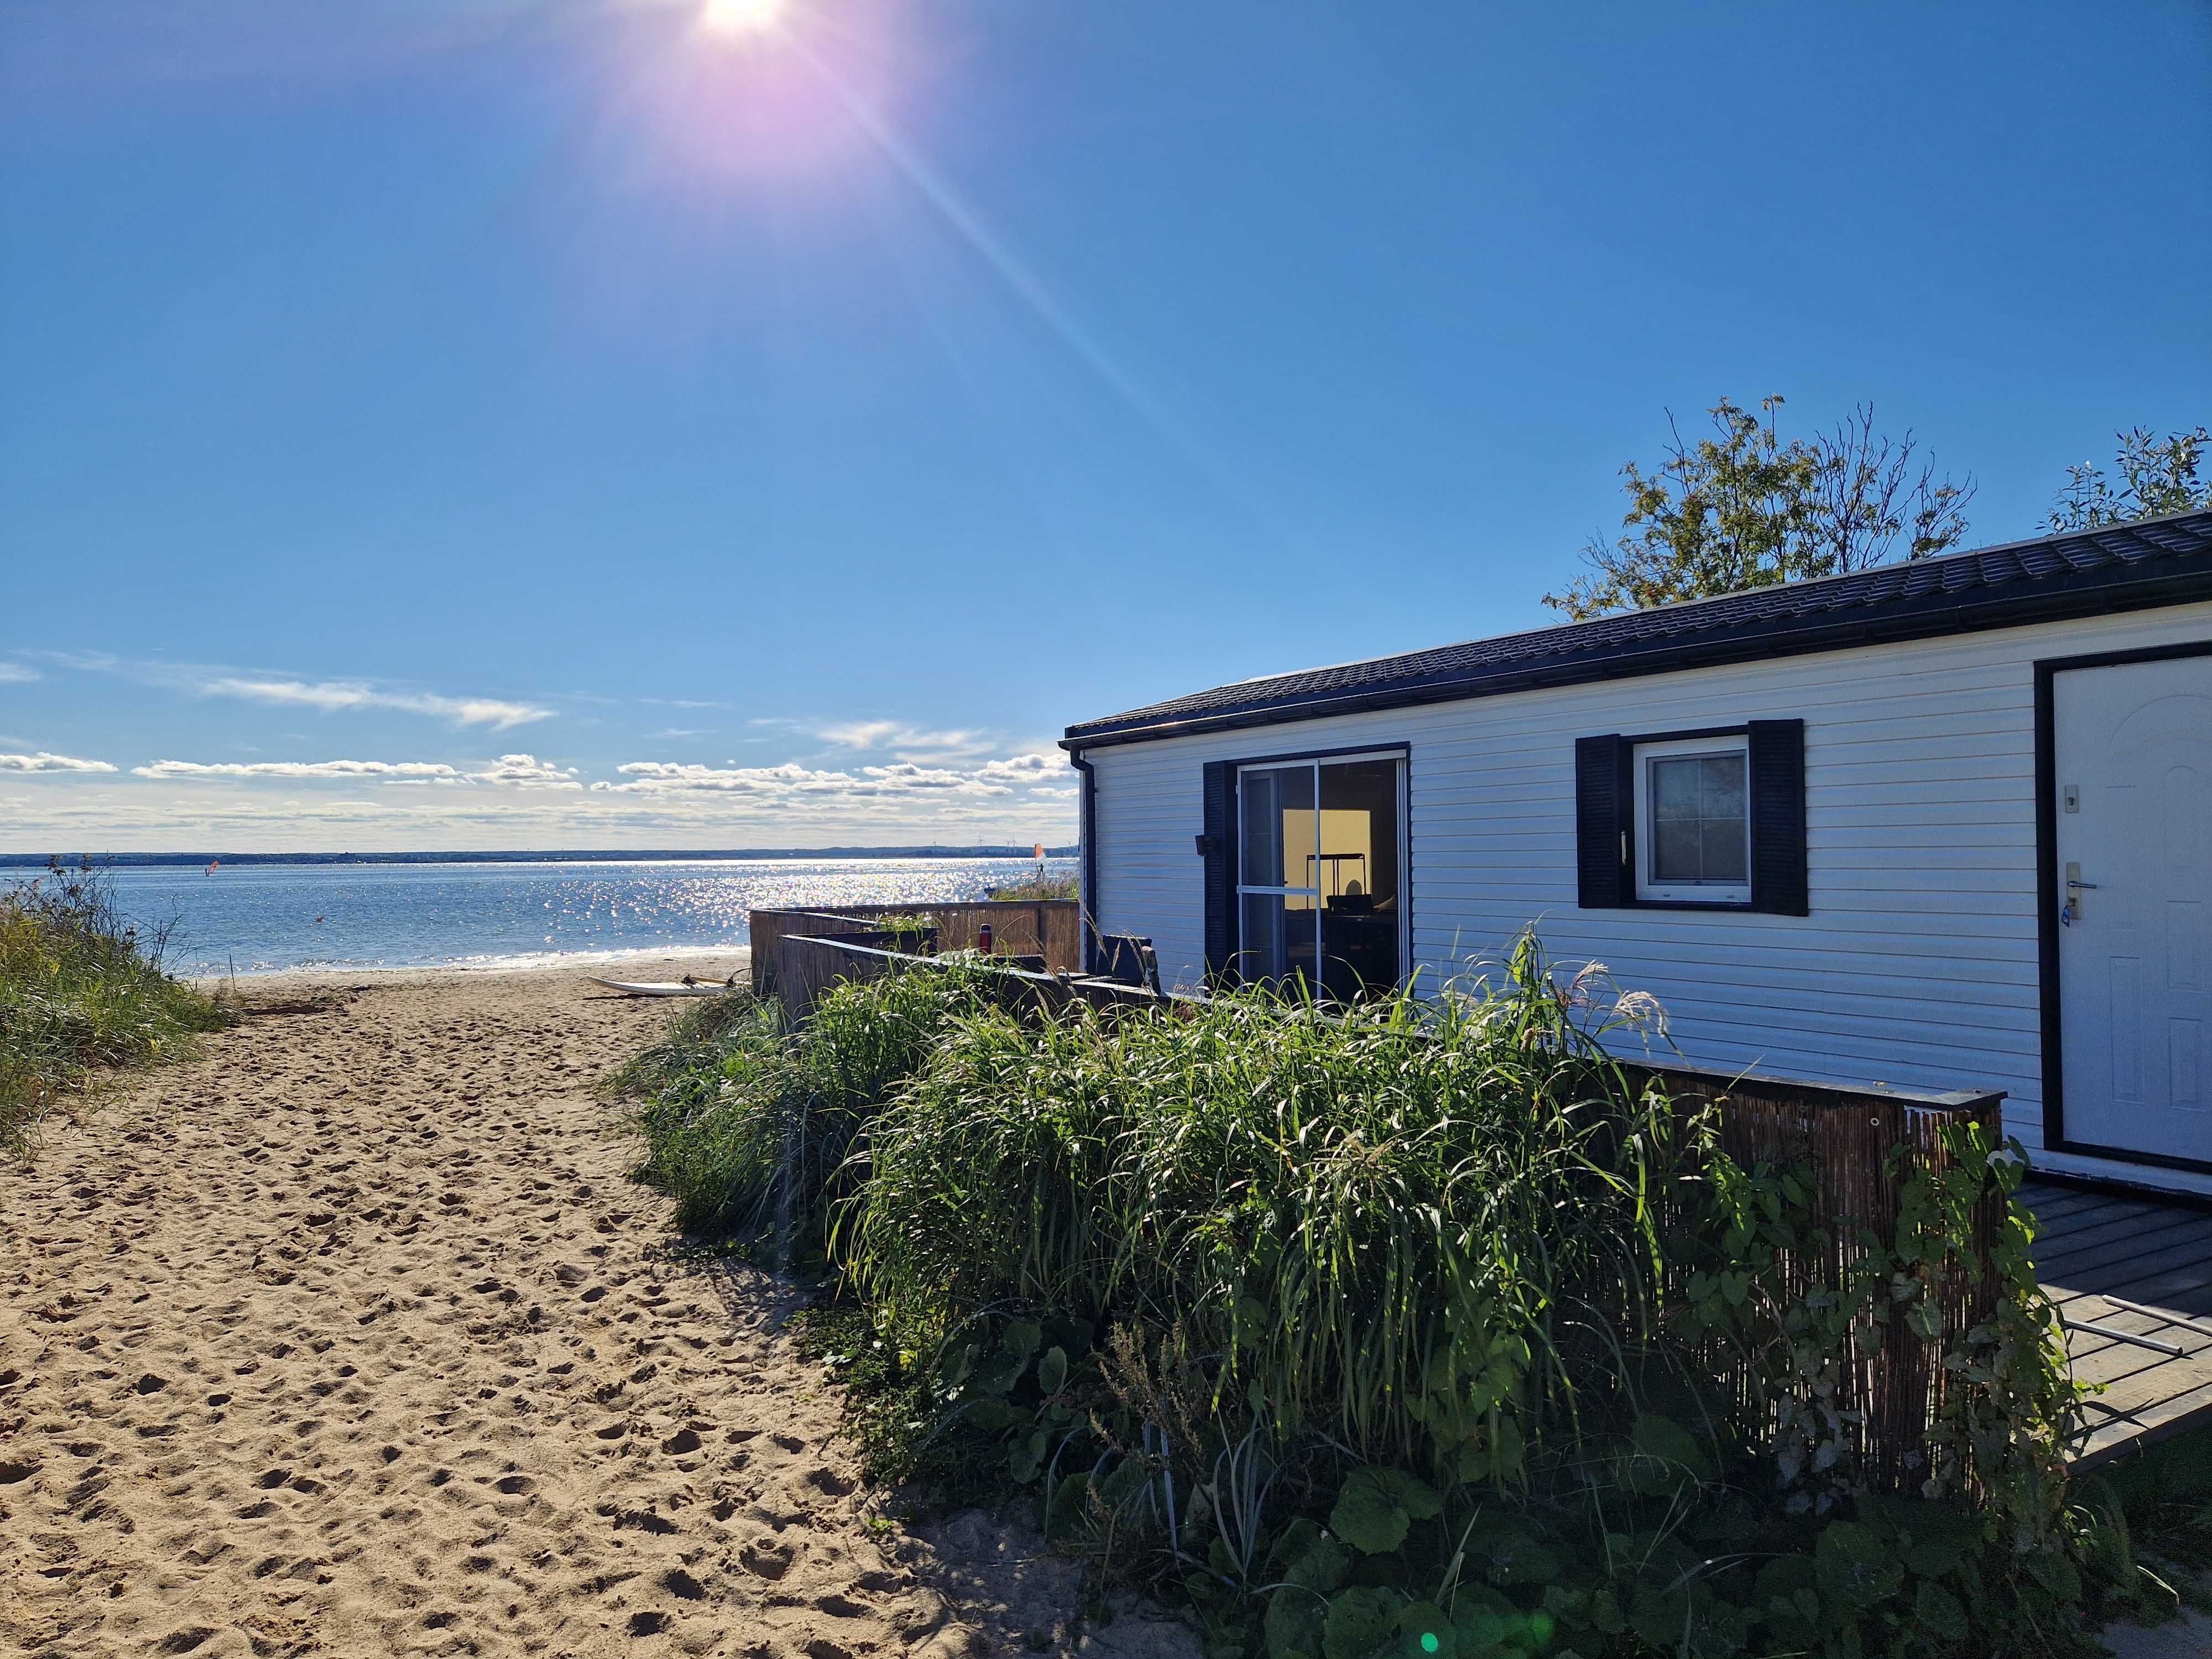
<point x="775" y="436"/>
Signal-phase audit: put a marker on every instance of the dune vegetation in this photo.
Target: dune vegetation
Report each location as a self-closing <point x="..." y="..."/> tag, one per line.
<point x="1042" y="885"/>
<point x="1412" y="1327"/>
<point x="82" y="995"/>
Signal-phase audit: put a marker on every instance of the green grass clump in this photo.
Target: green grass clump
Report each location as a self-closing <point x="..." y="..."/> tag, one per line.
<point x="81" y="994"/>
<point x="749" y="1127"/>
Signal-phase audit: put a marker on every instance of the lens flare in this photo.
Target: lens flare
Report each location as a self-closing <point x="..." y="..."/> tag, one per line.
<point x="740" y="16"/>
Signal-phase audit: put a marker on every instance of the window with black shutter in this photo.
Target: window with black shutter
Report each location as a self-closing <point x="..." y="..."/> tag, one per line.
<point x="1714" y="819"/>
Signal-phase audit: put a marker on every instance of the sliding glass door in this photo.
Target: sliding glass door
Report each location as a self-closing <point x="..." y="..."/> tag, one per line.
<point x="1321" y="873"/>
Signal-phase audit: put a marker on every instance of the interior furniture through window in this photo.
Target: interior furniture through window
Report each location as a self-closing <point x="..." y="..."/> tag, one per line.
<point x="1321" y="873"/>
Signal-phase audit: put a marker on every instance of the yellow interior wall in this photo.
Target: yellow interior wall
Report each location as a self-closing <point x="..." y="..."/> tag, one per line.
<point x="1342" y="830"/>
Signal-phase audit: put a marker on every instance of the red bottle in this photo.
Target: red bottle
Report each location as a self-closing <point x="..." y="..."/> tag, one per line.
<point x="983" y="939"/>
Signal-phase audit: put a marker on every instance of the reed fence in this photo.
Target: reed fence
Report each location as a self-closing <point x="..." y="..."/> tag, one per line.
<point x="1864" y="1143"/>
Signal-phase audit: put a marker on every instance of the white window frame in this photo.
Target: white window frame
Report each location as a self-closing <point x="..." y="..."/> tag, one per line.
<point x="1401" y="758"/>
<point x="1721" y="895"/>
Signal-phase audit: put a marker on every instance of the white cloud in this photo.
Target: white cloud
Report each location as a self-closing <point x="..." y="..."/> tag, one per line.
<point x="332" y="695"/>
<point x="412" y="814"/>
<point x="43" y="762"/>
<point x="527" y="772"/>
<point x="425" y="770"/>
<point x="508" y="771"/>
<point x="907" y="742"/>
<point x="15" y="673"/>
<point x="792" y="781"/>
<point x="1025" y="769"/>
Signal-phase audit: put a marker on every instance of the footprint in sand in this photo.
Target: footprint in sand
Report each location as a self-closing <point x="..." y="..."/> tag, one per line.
<point x="376" y="1444"/>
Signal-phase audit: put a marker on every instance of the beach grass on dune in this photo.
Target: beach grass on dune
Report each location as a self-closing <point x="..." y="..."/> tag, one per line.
<point x="81" y="995"/>
<point x="1041" y="886"/>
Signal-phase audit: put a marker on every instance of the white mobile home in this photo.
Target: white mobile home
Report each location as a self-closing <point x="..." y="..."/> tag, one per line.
<point x="1943" y="825"/>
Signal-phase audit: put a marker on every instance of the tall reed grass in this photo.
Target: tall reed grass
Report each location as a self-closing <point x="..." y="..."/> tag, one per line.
<point x="81" y="993"/>
<point x="1427" y="1230"/>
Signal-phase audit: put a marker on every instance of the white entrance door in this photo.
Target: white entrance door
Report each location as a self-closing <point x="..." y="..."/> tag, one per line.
<point x="2132" y="750"/>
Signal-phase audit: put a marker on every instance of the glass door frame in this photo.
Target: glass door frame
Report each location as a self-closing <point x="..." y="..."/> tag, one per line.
<point x="1398" y="755"/>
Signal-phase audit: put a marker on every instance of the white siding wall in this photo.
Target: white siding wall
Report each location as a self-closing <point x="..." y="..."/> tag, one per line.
<point x="1917" y="965"/>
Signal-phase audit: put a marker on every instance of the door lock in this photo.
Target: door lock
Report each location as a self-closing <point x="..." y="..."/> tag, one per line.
<point x="2071" y="912"/>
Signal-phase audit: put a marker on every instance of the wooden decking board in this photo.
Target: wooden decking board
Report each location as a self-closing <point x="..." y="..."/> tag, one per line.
<point x="2115" y="1362"/>
<point x="2098" y="1204"/>
<point x="2185" y="1291"/>
<point x="2130" y="1235"/>
<point x="2169" y="1285"/>
<point x="2075" y="1216"/>
<point x="2099" y="1359"/>
<point x="2049" y="1204"/>
<point x="2109" y="1268"/>
<point x="2091" y="1246"/>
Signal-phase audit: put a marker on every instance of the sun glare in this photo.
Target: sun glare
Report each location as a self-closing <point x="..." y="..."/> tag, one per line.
<point x="740" y="16"/>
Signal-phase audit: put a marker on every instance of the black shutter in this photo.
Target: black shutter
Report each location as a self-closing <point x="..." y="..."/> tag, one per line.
<point x="1605" y="824"/>
<point x="1218" y="845"/>
<point x="1778" y="883"/>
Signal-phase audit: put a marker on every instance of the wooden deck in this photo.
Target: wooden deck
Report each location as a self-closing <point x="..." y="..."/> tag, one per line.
<point x="2133" y="1279"/>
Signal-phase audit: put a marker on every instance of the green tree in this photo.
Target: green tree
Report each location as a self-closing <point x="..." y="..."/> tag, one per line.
<point x="1743" y="508"/>
<point x="2157" y="475"/>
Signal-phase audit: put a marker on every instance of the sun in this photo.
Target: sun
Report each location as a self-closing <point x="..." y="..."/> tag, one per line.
<point x="740" y="16"/>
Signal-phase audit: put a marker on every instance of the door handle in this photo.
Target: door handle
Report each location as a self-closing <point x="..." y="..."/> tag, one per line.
<point x="2071" y="912"/>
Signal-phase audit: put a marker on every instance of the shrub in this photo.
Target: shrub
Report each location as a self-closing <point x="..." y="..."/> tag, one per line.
<point x="80" y="993"/>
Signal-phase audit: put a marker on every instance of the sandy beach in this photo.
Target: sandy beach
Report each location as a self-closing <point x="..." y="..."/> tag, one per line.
<point x="351" y="1337"/>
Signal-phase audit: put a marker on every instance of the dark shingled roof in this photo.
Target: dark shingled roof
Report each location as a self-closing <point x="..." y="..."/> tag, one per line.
<point x="2153" y="561"/>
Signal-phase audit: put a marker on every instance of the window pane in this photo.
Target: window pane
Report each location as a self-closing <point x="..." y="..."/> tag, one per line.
<point x="1278" y="941"/>
<point x="1261" y="952"/>
<point x="1259" y="800"/>
<point x="1725" y="854"/>
<point x="1277" y="807"/>
<point x="1676" y="854"/>
<point x="1723" y="794"/>
<point x="1696" y="804"/>
<point x="1674" y="788"/>
<point x="1361" y="898"/>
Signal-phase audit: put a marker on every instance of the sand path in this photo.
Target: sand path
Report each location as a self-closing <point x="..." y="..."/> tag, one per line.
<point x="351" y="1337"/>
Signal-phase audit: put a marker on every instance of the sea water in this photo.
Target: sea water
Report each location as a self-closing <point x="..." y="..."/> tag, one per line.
<point x="266" y="918"/>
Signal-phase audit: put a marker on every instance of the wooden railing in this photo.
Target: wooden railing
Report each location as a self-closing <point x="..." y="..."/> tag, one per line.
<point x="1051" y="928"/>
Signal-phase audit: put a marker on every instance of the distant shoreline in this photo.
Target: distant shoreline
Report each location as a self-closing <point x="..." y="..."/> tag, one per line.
<point x="526" y="856"/>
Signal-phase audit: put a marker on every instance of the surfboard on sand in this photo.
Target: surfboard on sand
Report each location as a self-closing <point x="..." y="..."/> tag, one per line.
<point x="686" y="986"/>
